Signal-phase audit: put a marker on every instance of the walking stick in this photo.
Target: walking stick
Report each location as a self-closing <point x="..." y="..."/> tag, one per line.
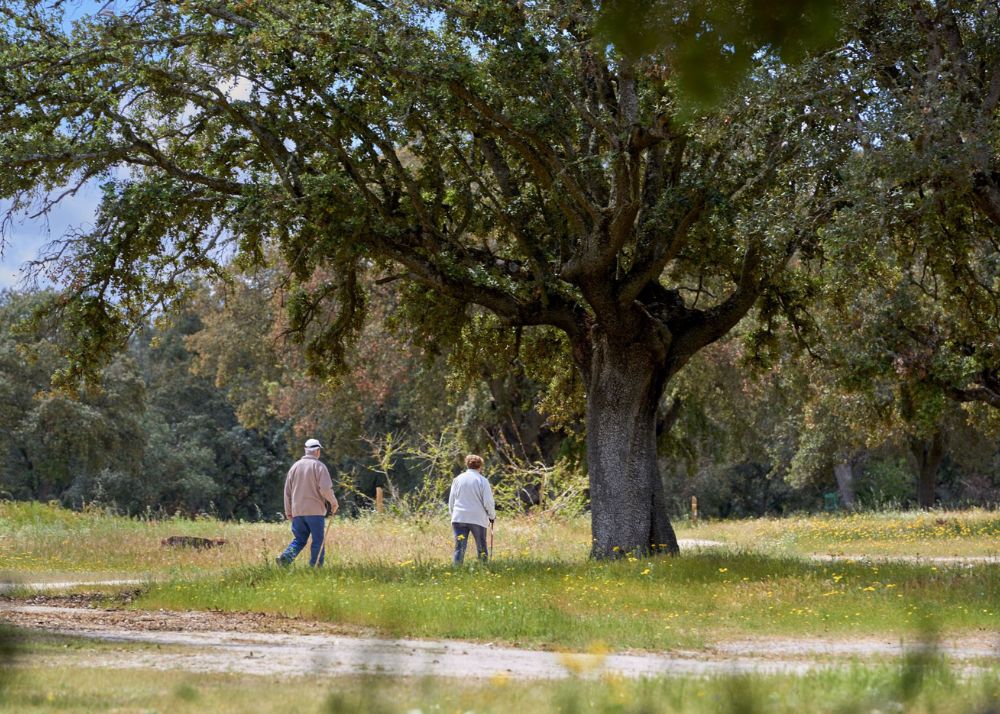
<point x="326" y="533"/>
<point x="491" y="540"/>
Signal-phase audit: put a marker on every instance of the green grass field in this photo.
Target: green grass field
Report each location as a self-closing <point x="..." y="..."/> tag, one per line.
<point x="649" y="604"/>
<point x="394" y="576"/>
<point x="916" y="533"/>
<point x="391" y="576"/>
<point x="43" y="542"/>
<point x="46" y="542"/>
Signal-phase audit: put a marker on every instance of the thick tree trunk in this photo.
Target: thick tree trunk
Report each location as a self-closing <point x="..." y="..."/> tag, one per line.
<point x="844" y="473"/>
<point x="628" y="509"/>
<point x="929" y="455"/>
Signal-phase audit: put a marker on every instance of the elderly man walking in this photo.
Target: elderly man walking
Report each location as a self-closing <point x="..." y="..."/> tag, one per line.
<point x="308" y="490"/>
<point x="472" y="508"/>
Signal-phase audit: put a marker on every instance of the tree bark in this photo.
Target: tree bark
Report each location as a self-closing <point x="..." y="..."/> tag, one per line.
<point x="844" y="473"/>
<point x="929" y="456"/>
<point x="628" y="508"/>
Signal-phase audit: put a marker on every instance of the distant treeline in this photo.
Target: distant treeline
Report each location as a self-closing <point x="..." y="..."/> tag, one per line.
<point x="203" y="414"/>
<point x="153" y="438"/>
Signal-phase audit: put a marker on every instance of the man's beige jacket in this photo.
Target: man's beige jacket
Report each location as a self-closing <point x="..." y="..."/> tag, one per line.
<point x="308" y="488"/>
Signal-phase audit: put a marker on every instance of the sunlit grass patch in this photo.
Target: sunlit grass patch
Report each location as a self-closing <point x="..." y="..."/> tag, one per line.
<point x="932" y="533"/>
<point x="52" y="543"/>
<point x="649" y="603"/>
<point x="394" y="576"/>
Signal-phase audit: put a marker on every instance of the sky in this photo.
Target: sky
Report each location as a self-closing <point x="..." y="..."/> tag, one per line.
<point x="24" y="239"/>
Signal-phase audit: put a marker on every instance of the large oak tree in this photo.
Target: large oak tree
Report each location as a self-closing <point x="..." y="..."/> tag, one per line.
<point x="489" y="152"/>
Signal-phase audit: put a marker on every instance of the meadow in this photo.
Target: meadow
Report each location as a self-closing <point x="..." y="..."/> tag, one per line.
<point x="44" y="541"/>
<point x="649" y="604"/>
<point x="393" y="576"/>
<point x="975" y="533"/>
<point x="388" y="575"/>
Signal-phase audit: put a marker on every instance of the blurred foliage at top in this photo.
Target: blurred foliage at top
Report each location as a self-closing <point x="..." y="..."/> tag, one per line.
<point x="709" y="46"/>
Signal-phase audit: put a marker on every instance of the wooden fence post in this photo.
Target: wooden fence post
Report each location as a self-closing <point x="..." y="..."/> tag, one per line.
<point x="694" y="509"/>
<point x="378" y="499"/>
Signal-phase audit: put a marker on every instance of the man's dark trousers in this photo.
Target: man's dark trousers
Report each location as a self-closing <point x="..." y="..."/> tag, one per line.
<point x="302" y="528"/>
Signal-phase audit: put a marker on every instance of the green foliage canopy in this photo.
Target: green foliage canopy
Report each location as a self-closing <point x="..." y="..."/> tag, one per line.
<point x="495" y="152"/>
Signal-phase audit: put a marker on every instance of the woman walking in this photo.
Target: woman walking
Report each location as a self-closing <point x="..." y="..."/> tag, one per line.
<point x="472" y="508"/>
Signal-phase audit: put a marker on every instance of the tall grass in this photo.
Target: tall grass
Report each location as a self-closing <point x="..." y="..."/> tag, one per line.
<point x="39" y="540"/>
<point x="393" y="574"/>
<point x="43" y="541"/>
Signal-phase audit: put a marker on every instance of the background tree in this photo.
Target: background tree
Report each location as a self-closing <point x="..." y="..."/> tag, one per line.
<point x="389" y="385"/>
<point x="736" y="430"/>
<point x="392" y="384"/>
<point x="199" y="457"/>
<point x="911" y="258"/>
<point x="148" y="437"/>
<point x="922" y="224"/>
<point x="56" y="447"/>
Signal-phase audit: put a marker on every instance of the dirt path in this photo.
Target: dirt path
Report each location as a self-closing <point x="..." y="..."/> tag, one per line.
<point x="7" y="587"/>
<point x="260" y="644"/>
<point x="967" y="560"/>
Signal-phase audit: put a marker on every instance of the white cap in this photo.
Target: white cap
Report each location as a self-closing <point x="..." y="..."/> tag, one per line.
<point x="313" y="444"/>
